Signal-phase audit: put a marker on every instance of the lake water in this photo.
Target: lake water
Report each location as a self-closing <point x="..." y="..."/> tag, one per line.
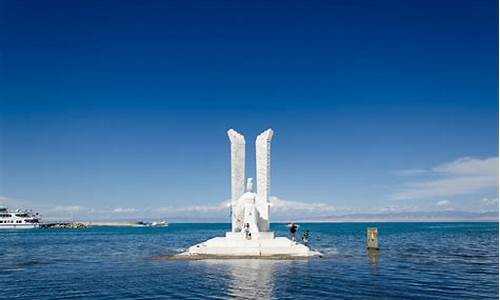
<point x="416" y="261"/>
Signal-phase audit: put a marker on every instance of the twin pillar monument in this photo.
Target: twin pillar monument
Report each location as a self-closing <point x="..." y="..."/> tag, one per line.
<point x="250" y="236"/>
<point x="242" y="195"/>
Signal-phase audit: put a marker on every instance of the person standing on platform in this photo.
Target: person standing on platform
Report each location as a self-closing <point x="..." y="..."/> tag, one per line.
<point x="293" y="230"/>
<point x="305" y="237"/>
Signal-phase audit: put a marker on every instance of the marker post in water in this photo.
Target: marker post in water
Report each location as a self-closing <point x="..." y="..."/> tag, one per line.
<point x="372" y="237"/>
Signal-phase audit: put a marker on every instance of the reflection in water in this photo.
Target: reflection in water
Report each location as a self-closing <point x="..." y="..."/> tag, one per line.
<point x="249" y="278"/>
<point x="373" y="258"/>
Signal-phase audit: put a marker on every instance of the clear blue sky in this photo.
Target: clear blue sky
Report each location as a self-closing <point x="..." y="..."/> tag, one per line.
<point x="125" y="104"/>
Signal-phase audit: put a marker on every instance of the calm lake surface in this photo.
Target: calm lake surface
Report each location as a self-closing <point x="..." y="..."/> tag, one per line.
<point x="416" y="261"/>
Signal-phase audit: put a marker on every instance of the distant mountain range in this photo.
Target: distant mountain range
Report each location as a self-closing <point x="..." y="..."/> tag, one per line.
<point x="431" y="216"/>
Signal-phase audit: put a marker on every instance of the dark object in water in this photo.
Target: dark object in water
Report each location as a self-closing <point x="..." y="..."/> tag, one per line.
<point x="372" y="236"/>
<point x="72" y="225"/>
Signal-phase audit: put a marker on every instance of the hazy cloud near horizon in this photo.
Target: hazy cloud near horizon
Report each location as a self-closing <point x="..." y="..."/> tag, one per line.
<point x="279" y="208"/>
<point x="459" y="177"/>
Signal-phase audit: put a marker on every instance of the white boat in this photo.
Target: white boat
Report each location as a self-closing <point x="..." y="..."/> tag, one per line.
<point x="159" y="224"/>
<point x="151" y="224"/>
<point x="18" y="219"/>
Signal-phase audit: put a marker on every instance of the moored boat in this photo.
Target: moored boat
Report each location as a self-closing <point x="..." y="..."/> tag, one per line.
<point x="18" y="219"/>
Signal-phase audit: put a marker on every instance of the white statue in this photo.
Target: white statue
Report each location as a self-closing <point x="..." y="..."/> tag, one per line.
<point x="250" y="211"/>
<point x="250" y="235"/>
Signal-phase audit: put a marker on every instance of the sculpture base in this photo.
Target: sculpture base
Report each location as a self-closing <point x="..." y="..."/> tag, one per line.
<point x="262" y="244"/>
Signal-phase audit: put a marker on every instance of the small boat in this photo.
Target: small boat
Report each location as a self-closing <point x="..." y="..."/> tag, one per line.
<point x="152" y="224"/>
<point x="18" y="219"/>
<point x="159" y="224"/>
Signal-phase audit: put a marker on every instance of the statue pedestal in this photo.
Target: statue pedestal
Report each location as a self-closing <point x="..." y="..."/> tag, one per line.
<point x="262" y="244"/>
<point x="255" y="235"/>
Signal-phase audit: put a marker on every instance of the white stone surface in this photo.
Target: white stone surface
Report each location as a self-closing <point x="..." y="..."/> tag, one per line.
<point x="237" y="173"/>
<point x="263" y="171"/>
<point x="236" y="245"/>
<point x="259" y="235"/>
<point x="263" y="164"/>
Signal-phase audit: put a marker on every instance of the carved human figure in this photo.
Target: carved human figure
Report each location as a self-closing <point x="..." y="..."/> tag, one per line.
<point x="245" y="211"/>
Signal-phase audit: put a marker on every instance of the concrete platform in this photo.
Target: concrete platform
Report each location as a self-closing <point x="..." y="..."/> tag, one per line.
<point x="262" y="245"/>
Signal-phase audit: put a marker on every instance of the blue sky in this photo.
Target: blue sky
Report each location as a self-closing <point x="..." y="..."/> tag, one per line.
<point x="121" y="107"/>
